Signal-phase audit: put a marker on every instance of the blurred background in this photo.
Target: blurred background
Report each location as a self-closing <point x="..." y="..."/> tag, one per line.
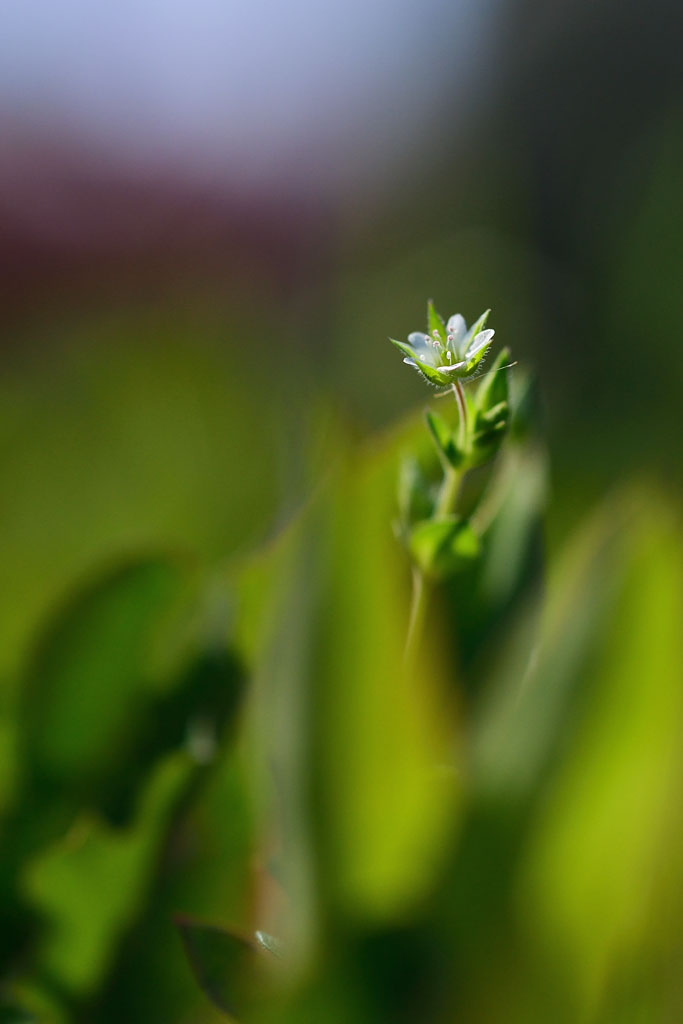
<point x="212" y="214"/>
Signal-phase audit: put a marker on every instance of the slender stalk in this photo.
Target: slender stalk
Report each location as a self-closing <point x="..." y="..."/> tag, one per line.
<point x="462" y="410"/>
<point x="418" y="607"/>
<point x="445" y="505"/>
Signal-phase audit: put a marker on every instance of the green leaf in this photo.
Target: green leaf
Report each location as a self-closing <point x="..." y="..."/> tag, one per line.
<point x="230" y="968"/>
<point x="526" y="407"/>
<point x="444" y="439"/>
<point x="415" y="501"/>
<point x="486" y="442"/>
<point x="494" y="415"/>
<point x="90" y="680"/>
<point x="90" y="885"/>
<point x="435" y="323"/>
<point x="494" y="386"/>
<point x="443" y="546"/>
<point x="492" y="412"/>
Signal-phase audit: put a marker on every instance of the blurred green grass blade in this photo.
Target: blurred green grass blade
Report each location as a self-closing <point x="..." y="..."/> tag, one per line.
<point x="604" y="876"/>
<point x="381" y="728"/>
<point x="354" y="743"/>
<point x="568" y="863"/>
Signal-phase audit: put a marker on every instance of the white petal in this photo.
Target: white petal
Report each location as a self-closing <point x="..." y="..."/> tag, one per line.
<point x="418" y="340"/>
<point x="410" y="362"/>
<point x="426" y="355"/>
<point x="457" y="327"/>
<point x="480" y="341"/>
<point x="455" y="366"/>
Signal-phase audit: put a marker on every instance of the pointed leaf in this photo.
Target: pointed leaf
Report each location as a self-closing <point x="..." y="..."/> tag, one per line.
<point x="415" y="502"/>
<point x="494" y="415"/>
<point x="494" y="386"/>
<point x="444" y="439"/>
<point x="486" y="442"/>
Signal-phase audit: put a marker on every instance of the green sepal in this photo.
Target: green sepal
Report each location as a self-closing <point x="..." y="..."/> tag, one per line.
<point x="474" y="362"/>
<point x="435" y="323"/>
<point x="430" y="373"/>
<point x="478" y="325"/>
<point x="444" y="439"/>
<point x="404" y="347"/>
<point x="441" y="547"/>
<point x="433" y="375"/>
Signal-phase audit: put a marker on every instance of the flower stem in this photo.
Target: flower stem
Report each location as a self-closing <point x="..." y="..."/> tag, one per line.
<point x="462" y="417"/>
<point x="445" y="505"/>
<point x="418" y="607"/>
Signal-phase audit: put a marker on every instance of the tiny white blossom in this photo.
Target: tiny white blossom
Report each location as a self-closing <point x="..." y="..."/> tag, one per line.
<point x="448" y="352"/>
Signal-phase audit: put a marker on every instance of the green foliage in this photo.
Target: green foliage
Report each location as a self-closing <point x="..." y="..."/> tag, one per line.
<point x="444" y="440"/>
<point x="441" y="546"/>
<point x="484" y="831"/>
<point x="229" y="967"/>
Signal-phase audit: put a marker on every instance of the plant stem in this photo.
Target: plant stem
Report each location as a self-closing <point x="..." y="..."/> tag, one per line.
<point x="445" y="505"/>
<point x="462" y="417"/>
<point x="418" y="606"/>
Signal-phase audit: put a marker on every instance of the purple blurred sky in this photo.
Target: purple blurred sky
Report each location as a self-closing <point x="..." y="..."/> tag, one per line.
<point x="319" y="94"/>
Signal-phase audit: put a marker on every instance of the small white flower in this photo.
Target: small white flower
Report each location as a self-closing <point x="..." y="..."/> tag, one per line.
<point x="450" y="351"/>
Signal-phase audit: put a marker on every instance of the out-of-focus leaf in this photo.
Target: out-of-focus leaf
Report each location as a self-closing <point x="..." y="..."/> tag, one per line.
<point x="90" y="884"/>
<point x="210" y="849"/>
<point x="351" y="738"/>
<point x="415" y="498"/>
<point x="493" y="389"/>
<point x="444" y="440"/>
<point x="443" y="546"/>
<point x="489" y="407"/>
<point x="379" y="808"/>
<point x="568" y="854"/>
<point x="526" y="407"/>
<point x="135" y="667"/>
<point x="89" y="682"/>
<point x="231" y="969"/>
<point x="603" y="883"/>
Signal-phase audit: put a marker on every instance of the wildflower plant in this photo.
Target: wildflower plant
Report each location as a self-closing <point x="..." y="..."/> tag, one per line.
<point x="449" y="355"/>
